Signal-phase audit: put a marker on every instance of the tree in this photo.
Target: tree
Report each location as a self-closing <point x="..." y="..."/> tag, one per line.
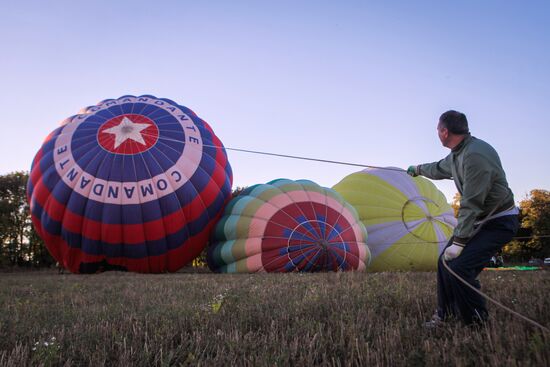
<point x="237" y="191"/>
<point x="455" y="204"/>
<point x="19" y="243"/>
<point x="14" y="219"/>
<point x="536" y="216"/>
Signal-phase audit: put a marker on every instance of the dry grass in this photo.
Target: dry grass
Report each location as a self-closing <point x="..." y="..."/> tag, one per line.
<point x="262" y="320"/>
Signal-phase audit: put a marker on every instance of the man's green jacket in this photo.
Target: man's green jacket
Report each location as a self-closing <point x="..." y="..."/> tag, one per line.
<point x="477" y="172"/>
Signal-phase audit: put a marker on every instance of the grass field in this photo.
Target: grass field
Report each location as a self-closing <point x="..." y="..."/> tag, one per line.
<point x="262" y="320"/>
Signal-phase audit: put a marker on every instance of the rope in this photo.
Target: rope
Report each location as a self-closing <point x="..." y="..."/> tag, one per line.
<point x="305" y="158"/>
<point x="517" y="314"/>
<point x="534" y="236"/>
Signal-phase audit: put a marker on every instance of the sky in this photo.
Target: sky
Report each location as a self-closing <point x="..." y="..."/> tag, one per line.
<point x="352" y="81"/>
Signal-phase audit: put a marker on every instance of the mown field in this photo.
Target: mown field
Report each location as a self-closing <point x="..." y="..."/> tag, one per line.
<point x="340" y="319"/>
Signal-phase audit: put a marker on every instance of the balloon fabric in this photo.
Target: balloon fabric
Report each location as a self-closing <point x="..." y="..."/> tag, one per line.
<point x="134" y="183"/>
<point x="408" y="219"/>
<point x="288" y="226"/>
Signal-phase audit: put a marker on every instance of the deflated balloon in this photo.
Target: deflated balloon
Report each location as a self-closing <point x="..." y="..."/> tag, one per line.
<point x="286" y="226"/>
<point x="134" y="183"/>
<point x="408" y="219"/>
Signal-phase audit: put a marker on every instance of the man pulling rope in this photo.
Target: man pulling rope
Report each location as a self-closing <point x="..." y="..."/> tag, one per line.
<point x="487" y="218"/>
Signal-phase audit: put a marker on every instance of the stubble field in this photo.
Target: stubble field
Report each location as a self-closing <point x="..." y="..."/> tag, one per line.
<point x="336" y="319"/>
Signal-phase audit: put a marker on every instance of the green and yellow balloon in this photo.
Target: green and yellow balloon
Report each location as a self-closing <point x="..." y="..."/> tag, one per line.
<point x="407" y="218"/>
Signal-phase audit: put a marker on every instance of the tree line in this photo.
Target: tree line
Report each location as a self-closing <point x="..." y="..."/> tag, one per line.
<point x="21" y="246"/>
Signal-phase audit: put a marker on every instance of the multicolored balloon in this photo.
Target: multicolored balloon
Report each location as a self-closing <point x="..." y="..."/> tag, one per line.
<point x="286" y="226"/>
<point x="134" y="183"/>
<point x="408" y="219"/>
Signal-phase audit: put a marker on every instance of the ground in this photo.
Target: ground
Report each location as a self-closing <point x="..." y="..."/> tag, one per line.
<point x="341" y="319"/>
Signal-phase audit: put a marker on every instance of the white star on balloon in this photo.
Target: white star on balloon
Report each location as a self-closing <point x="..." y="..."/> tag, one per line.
<point x="127" y="130"/>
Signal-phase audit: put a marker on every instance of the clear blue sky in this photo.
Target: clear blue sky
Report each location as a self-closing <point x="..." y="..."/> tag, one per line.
<point x="357" y="81"/>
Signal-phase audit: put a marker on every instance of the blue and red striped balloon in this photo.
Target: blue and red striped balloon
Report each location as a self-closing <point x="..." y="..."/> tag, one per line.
<point x="134" y="183"/>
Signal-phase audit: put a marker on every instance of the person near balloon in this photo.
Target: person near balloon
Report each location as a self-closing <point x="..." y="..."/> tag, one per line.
<point x="487" y="218"/>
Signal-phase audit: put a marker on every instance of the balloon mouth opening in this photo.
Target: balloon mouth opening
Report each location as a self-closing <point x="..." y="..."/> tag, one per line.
<point x="417" y="220"/>
<point x="324" y="244"/>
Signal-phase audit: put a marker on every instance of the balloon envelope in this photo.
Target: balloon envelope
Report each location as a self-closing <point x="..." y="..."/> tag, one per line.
<point x="408" y="219"/>
<point x="285" y="226"/>
<point x="134" y="183"/>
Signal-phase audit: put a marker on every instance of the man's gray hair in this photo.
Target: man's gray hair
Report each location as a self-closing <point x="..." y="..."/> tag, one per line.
<point x="456" y="122"/>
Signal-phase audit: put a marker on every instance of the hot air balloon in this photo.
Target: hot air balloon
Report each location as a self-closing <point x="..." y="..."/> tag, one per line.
<point x="408" y="219"/>
<point x="134" y="183"/>
<point x="286" y="226"/>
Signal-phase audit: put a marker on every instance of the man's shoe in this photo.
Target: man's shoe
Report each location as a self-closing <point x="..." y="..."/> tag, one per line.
<point x="434" y="323"/>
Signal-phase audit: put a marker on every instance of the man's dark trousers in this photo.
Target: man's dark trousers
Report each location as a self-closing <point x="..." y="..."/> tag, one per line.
<point x="454" y="298"/>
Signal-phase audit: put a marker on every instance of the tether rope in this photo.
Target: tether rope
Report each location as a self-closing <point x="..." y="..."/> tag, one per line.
<point x="305" y="158"/>
<point x="506" y="308"/>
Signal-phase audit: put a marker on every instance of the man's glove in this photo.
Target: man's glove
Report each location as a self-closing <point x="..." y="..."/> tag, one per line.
<point x="413" y="171"/>
<point x="453" y="251"/>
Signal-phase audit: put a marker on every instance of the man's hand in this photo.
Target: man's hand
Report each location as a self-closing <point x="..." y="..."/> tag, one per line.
<point x="453" y="251"/>
<point x="412" y="171"/>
